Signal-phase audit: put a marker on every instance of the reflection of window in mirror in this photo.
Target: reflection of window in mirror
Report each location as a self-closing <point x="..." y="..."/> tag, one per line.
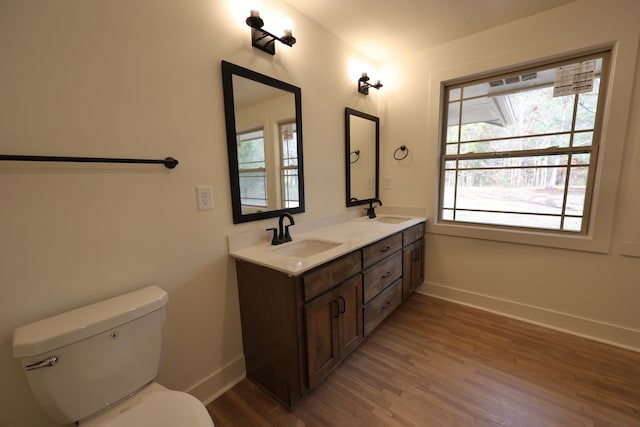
<point x="256" y="169"/>
<point x="289" y="165"/>
<point x="252" y="170"/>
<point x="268" y="164"/>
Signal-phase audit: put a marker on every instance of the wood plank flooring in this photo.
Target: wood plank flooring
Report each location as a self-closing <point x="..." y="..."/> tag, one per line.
<point x="435" y="363"/>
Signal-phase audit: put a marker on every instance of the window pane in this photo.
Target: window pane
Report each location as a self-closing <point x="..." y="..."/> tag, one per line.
<point x="515" y="220"/>
<point x="449" y="190"/>
<point x="447" y="214"/>
<point x="572" y="224"/>
<point x="516" y="155"/>
<point x="583" y="139"/>
<point x="453" y="118"/>
<point x="450" y="164"/>
<point x="452" y="149"/>
<point x="517" y="114"/>
<point x="577" y="190"/>
<point x="580" y="159"/>
<point x="587" y="105"/>
<point x="514" y="165"/>
<point x="516" y="144"/>
<point x="506" y="191"/>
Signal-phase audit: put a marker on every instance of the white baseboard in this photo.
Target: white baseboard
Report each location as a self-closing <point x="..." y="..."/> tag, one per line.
<point x="214" y="385"/>
<point x="608" y="333"/>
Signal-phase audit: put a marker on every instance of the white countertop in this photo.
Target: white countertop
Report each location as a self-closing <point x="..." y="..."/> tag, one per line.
<point x="351" y="235"/>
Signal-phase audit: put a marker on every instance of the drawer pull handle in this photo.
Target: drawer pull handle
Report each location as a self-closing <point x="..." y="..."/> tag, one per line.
<point x="385" y="249"/>
<point x="336" y="313"/>
<point x="387" y="274"/>
<point x="386" y="305"/>
<point x="344" y="304"/>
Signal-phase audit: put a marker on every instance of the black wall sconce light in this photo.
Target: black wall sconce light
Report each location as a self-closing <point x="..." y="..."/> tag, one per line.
<point x="264" y="40"/>
<point x="364" y="85"/>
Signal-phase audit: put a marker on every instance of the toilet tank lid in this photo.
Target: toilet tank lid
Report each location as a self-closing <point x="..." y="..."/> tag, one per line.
<point x="63" y="329"/>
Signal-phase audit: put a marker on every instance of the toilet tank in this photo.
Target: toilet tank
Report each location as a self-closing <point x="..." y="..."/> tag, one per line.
<point x="103" y="352"/>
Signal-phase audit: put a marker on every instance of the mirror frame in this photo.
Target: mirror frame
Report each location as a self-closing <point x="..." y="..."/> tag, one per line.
<point x="228" y="71"/>
<point x="348" y="112"/>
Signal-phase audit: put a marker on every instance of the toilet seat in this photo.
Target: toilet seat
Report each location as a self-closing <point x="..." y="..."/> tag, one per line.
<point x="163" y="408"/>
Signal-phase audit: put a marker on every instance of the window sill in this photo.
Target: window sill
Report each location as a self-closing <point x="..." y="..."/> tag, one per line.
<point x="532" y="238"/>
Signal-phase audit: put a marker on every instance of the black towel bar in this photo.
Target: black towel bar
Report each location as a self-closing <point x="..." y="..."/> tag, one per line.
<point x="168" y="162"/>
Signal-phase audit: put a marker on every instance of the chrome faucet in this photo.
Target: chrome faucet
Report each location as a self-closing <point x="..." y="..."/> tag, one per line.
<point x="371" y="210"/>
<point x="281" y="234"/>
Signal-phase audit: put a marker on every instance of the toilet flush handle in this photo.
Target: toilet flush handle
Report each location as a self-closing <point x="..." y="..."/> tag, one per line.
<point x="42" y="364"/>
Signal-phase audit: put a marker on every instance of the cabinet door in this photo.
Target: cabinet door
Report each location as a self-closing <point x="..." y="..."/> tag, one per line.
<point x="350" y="307"/>
<point x="323" y="351"/>
<point x="413" y="267"/>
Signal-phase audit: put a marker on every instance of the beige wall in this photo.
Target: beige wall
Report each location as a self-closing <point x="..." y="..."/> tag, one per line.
<point x="589" y="286"/>
<point x="142" y="79"/>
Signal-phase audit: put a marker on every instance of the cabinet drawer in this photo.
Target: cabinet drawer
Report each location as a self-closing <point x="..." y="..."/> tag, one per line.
<point x="382" y="306"/>
<point x="326" y="277"/>
<point x="412" y="234"/>
<point x="381" y="275"/>
<point x="376" y="251"/>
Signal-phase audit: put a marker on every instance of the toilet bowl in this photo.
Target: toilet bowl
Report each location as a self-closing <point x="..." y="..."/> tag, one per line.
<point x="153" y="406"/>
<point x="96" y="365"/>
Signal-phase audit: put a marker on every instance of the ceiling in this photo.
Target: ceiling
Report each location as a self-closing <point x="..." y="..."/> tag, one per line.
<point x="386" y="28"/>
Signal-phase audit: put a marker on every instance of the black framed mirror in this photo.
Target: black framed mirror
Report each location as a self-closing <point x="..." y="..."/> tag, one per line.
<point x="362" y="137"/>
<point x="264" y="142"/>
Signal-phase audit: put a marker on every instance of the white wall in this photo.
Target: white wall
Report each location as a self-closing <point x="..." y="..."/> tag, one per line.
<point x="592" y="291"/>
<point x="143" y="79"/>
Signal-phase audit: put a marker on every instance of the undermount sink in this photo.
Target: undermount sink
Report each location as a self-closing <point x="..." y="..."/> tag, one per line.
<point x="306" y="248"/>
<point x="391" y="219"/>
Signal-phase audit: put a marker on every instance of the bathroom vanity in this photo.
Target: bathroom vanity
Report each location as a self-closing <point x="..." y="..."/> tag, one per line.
<point x="306" y="306"/>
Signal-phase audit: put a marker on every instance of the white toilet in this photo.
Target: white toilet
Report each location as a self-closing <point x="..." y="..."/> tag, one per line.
<point x="95" y="365"/>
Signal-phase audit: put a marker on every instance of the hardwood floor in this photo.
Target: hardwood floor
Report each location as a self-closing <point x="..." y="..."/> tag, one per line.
<point x="435" y="363"/>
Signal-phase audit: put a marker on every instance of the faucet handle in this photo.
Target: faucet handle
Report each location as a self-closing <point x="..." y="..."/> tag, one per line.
<point x="274" y="240"/>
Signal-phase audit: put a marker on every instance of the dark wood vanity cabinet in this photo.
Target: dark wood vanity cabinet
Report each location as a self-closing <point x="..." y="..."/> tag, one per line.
<point x="332" y="313"/>
<point x="333" y="327"/>
<point x="297" y="329"/>
<point x="383" y="270"/>
<point x="413" y="250"/>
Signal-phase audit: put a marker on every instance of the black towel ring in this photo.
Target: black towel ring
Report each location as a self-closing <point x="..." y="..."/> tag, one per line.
<point x="402" y="148"/>
<point x="355" y="153"/>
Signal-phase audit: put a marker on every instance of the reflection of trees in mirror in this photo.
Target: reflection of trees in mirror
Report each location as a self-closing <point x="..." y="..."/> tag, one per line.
<point x="289" y="162"/>
<point x="521" y="157"/>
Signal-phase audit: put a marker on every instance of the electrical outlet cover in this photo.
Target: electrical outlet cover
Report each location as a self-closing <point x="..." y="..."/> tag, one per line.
<point x="205" y="197"/>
